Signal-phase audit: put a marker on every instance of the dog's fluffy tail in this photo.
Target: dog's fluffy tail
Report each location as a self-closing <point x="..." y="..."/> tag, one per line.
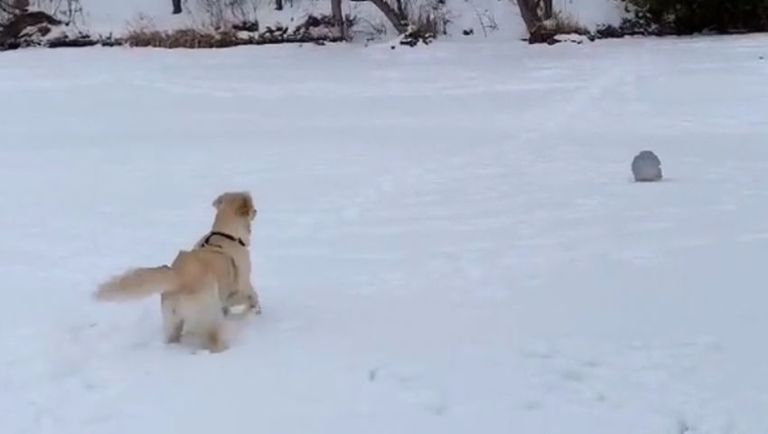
<point x="138" y="283"/>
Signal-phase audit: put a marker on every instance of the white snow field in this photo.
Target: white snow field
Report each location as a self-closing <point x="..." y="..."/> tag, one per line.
<point x="448" y="238"/>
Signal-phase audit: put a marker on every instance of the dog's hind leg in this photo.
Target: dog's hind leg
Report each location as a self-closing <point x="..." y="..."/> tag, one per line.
<point x="173" y="330"/>
<point x="211" y="318"/>
<point x="215" y="341"/>
<point x="173" y="324"/>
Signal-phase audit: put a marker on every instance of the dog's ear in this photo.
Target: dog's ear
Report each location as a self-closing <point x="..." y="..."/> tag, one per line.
<point x="219" y="201"/>
<point x="245" y="206"/>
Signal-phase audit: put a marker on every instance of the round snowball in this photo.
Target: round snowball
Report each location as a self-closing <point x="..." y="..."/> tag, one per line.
<point x="646" y="167"/>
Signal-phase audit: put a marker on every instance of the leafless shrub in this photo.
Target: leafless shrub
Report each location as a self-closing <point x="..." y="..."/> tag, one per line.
<point x="368" y="30"/>
<point x="429" y="17"/>
<point x="487" y="21"/>
<point x="317" y="29"/>
<point x="182" y="38"/>
<point x="426" y="23"/>
<point x="321" y="27"/>
<point x="561" y="23"/>
<point x="222" y="14"/>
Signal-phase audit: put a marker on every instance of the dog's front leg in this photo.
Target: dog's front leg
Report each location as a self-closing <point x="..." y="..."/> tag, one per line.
<point x="248" y="299"/>
<point x="253" y="300"/>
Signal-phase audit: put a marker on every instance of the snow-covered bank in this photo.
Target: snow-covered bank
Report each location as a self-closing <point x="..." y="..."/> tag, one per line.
<point x="487" y="18"/>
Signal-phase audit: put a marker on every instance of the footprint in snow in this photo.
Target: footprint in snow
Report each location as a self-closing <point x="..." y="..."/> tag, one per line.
<point x="408" y="387"/>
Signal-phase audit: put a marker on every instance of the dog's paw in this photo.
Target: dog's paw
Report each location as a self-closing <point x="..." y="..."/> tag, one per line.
<point x="256" y="308"/>
<point x="239" y="310"/>
<point x="215" y="349"/>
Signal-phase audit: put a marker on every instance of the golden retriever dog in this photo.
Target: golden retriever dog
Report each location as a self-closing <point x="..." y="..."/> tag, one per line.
<point x="201" y="284"/>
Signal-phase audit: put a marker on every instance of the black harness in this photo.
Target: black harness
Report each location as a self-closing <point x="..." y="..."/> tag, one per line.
<point x="207" y="240"/>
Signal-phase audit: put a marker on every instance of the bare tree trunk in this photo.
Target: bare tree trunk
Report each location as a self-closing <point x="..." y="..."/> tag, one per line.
<point x="338" y="17"/>
<point x="176" y="6"/>
<point x="538" y="32"/>
<point x="548" y="11"/>
<point x="400" y="8"/>
<point x="530" y="14"/>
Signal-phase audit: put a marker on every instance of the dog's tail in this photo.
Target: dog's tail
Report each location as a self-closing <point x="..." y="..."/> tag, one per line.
<point x="138" y="283"/>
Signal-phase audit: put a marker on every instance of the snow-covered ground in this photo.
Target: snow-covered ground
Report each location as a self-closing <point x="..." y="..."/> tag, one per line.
<point x="448" y="239"/>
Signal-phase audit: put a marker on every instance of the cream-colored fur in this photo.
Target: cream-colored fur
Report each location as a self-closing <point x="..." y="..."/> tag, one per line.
<point x="243" y="292"/>
<point x="201" y="284"/>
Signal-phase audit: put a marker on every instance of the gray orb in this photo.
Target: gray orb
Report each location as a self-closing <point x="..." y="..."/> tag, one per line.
<point x="646" y="167"/>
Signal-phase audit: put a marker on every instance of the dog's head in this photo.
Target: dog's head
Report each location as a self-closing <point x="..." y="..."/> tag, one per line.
<point x="238" y="203"/>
